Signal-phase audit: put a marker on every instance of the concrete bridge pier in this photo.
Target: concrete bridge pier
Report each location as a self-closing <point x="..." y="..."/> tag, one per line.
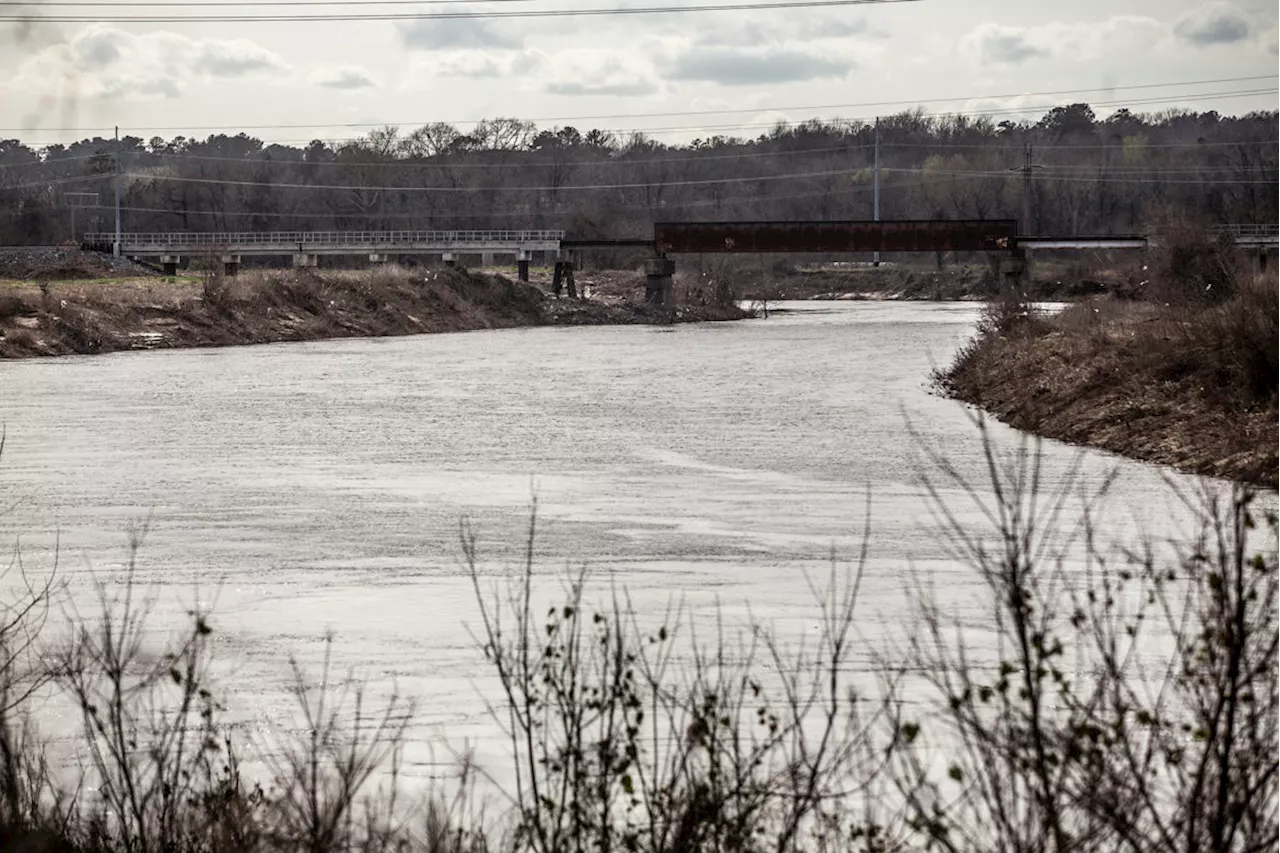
<point x="170" y="264"/>
<point x="230" y="265"/>
<point x="1013" y="269"/>
<point x="562" y="279"/>
<point x="1264" y="258"/>
<point x="304" y="259"/>
<point x="522" y="264"/>
<point x="450" y="259"/>
<point x="486" y="259"/>
<point x="657" y="281"/>
<point x="378" y="258"/>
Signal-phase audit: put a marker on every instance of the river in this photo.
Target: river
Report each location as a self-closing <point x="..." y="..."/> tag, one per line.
<point x="319" y="486"/>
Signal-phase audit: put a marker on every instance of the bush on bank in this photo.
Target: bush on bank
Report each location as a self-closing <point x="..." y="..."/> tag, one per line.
<point x="1131" y="704"/>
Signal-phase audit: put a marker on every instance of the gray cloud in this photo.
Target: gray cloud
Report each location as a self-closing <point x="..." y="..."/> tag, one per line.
<point x="1219" y="23"/>
<point x="458" y="33"/>
<point x="235" y="59"/>
<point x="628" y="87"/>
<point x="734" y="68"/>
<point x="100" y="48"/>
<point x="755" y="34"/>
<point x="342" y="77"/>
<point x="833" y="28"/>
<point x="107" y="62"/>
<point x="998" y="43"/>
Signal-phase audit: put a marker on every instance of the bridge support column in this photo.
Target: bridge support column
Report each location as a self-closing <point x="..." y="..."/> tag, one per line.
<point x="657" y="281"/>
<point x="170" y="264"/>
<point x="450" y="259"/>
<point x="1012" y="270"/>
<point x="304" y="259"/>
<point x="522" y="264"/>
<point x="377" y="258"/>
<point x="563" y="278"/>
<point x="486" y="259"/>
<point x="230" y="265"/>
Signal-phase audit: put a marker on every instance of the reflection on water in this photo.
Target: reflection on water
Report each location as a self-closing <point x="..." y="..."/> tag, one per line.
<point x="315" y="487"/>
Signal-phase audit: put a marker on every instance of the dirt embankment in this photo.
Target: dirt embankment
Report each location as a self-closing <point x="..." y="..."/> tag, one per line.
<point x="1191" y="386"/>
<point x="110" y="315"/>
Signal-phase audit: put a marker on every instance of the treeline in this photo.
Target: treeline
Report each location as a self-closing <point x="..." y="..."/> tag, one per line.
<point x="1072" y="172"/>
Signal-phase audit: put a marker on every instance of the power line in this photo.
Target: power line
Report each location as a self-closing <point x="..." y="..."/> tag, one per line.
<point x="647" y="184"/>
<point x="419" y="189"/>
<point x="446" y="16"/>
<point x="113" y="4"/>
<point x="681" y="113"/>
<point x="348" y="164"/>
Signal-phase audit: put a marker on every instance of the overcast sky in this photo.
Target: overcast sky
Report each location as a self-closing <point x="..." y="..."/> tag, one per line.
<point x="186" y="78"/>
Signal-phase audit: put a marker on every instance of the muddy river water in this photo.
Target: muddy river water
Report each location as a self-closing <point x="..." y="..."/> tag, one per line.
<point x="318" y="487"/>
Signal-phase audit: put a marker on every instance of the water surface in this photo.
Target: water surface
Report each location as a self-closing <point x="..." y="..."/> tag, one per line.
<point x="318" y="487"/>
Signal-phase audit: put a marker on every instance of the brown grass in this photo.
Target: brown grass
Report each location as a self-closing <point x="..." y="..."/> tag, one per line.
<point x="1190" y="384"/>
<point x="288" y="305"/>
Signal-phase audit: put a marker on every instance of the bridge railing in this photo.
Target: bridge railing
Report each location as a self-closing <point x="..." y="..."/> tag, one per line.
<point x="323" y="238"/>
<point x="1260" y="230"/>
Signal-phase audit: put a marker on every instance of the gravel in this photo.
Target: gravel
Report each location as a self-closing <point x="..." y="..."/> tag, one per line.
<point x="50" y="262"/>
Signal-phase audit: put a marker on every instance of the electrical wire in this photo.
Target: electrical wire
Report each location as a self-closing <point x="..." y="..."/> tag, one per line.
<point x="444" y="16"/>
<point x="682" y="113"/>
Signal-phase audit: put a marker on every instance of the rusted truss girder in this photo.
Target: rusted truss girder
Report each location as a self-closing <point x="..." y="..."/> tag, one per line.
<point x="853" y="236"/>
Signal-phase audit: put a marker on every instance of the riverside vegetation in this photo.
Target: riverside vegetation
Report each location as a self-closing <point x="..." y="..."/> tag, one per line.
<point x="1128" y="703"/>
<point x="1181" y="370"/>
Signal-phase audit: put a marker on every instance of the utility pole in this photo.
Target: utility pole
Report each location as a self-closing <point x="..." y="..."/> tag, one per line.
<point x="116" y="250"/>
<point x="1027" y="169"/>
<point x="875" y="261"/>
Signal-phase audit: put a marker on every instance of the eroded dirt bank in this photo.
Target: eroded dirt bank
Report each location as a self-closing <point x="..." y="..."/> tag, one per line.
<point x="110" y="315"/>
<point x="1191" y="386"/>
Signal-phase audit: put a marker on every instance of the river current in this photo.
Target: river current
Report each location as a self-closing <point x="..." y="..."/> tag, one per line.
<point x="318" y="487"/>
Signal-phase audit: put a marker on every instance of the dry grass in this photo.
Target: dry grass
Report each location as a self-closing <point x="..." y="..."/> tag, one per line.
<point x="1190" y="384"/>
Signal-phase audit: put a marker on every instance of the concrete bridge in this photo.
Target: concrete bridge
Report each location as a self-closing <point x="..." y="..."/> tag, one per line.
<point x="1252" y="236"/>
<point x="306" y="246"/>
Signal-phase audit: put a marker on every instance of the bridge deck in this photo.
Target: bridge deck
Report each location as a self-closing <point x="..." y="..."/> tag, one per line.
<point x="1257" y="236"/>
<point x="329" y="242"/>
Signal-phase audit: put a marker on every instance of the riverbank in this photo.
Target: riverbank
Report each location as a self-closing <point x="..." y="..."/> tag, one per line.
<point x="1190" y="385"/>
<point x="150" y="312"/>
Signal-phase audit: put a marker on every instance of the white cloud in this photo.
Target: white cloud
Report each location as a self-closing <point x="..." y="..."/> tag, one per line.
<point x="342" y="77"/>
<point x="1000" y="44"/>
<point x="102" y="61"/>
<point x="1214" y="23"/>
<point x="575" y="71"/>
